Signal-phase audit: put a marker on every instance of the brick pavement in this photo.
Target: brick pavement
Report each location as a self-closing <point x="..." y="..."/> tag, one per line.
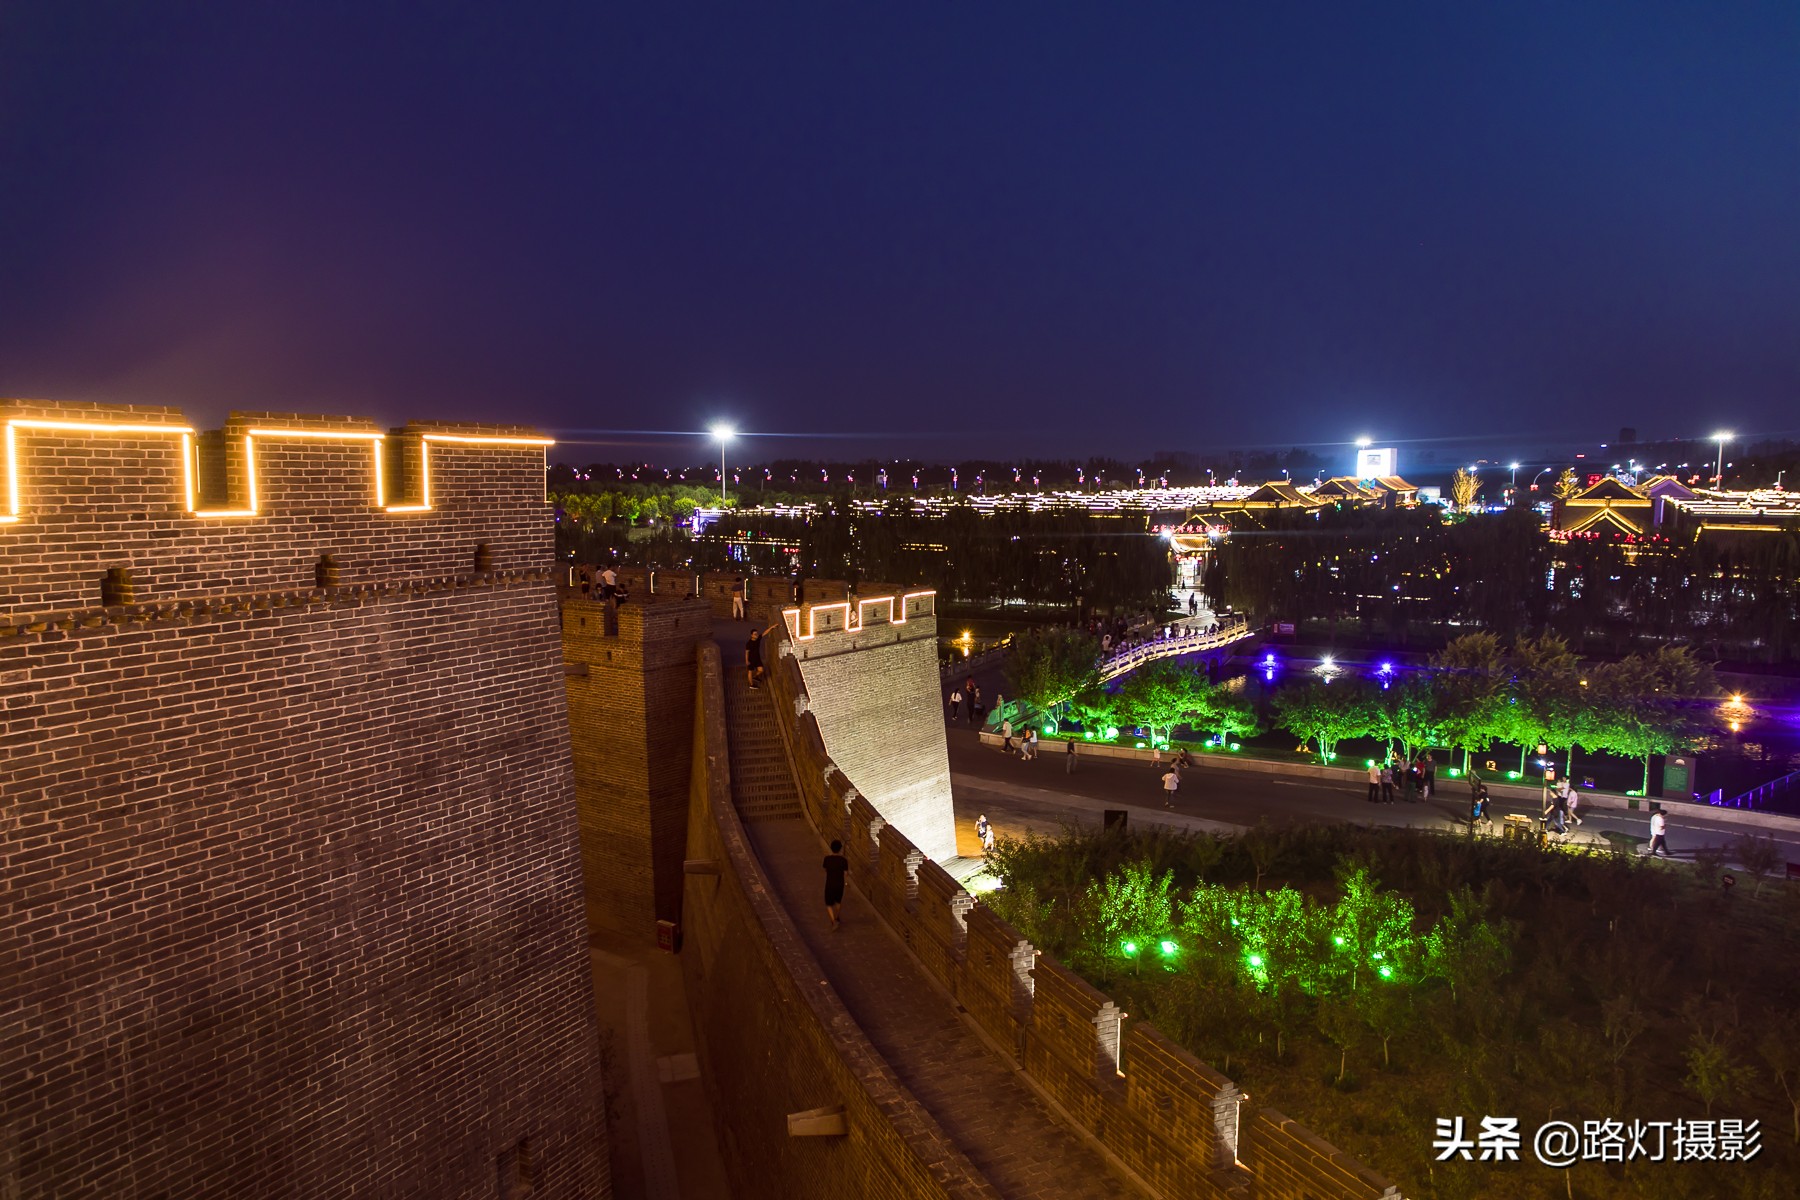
<point x="977" y="1096"/>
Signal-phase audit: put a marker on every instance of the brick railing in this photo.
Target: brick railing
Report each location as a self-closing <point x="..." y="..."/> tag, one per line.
<point x="1180" y="1127"/>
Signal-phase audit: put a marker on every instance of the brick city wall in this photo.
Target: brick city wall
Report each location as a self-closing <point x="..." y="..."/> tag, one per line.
<point x="629" y="676"/>
<point x="873" y="681"/>
<point x="293" y="889"/>
<point x="773" y="1038"/>
<point x="1180" y="1127"/>
<point x="108" y="486"/>
<point x="765" y="596"/>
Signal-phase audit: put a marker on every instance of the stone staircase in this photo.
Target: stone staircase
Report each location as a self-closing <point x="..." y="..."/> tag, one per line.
<point x="762" y="786"/>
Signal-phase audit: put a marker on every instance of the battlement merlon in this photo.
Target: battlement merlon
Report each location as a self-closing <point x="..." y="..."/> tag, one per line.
<point x="830" y="628"/>
<point x="120" y="504"/>
<point x="257" y="463"/>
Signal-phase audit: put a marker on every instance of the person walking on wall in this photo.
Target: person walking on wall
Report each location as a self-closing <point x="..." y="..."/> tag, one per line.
<point x="1170" y="782"/>
<point x="1069" y="759"/>
<point x="836" y="868"/>
<point x="753" y="663"/>
<point x="1659" y="834"/>
<point x="737" y="599"/>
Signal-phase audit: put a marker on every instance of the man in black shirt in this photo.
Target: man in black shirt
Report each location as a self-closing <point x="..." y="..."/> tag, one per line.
<point x="836" y="867"/>
<point x="753" y="663"/>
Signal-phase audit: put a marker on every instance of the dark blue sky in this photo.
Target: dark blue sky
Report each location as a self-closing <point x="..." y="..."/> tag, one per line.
<point x="987" y="229"/>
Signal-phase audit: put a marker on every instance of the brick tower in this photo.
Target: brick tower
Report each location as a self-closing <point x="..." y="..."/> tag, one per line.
<point x="292" y="880"/>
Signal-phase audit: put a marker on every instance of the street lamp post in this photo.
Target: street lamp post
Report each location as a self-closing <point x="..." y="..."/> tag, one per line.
<point x="1721" y="437"/>
<point x="1539" y="476"/>
<point x="722" y="433"/>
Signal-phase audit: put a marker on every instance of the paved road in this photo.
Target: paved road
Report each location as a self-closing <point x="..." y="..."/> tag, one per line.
<point x="1019" y="796"/>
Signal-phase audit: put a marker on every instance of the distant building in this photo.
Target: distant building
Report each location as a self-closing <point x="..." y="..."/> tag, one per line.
<point x="1374" y="463"/>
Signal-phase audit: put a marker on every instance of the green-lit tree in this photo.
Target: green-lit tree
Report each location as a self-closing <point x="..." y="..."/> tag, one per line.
<point x="1371" y="931"/>
<point x="1161" y="695"/>
<point x="1048" y="667"/>
<point x="1326" y="713"/>
<point x="1229" y="715"/>
<point x="1468" y="677"/>
<point x="1410" y="712"/>
<point x="1135" y="911"/>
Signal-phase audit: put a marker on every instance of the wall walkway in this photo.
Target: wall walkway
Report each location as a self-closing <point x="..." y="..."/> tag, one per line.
<point x="1134" y="1100"/>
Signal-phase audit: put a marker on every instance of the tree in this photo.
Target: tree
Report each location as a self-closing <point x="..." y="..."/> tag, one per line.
<point x="1651" y="704"/>
<point x="1134" y="908"/>
<point x="1464" y="486"/>
<point x="1229" y="714"/>
<point x="1543" y="698"/>
<point x="1370" y="930"/>
<point x="1567" y="484"/>
<point x="1714" y="1074"/>
<point x="1469" y="680"/>
<point x="1161" y="695"/>
<point x="1049" y="666"/>
<point x="1411" y="713"/>
<point x="1780" y="1049"/>
<point x="1326" y="713"/>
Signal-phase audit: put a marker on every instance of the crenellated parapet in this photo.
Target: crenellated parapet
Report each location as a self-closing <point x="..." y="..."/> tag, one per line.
<point x="819" y="630"/>
<point x="137" y="495"/>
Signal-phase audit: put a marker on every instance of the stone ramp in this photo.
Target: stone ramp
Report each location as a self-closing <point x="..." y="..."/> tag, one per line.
<point x="979" y="1098"/>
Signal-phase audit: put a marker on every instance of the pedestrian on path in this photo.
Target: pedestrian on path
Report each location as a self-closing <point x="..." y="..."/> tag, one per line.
<point x="1029" y="746"/>
<point x="985" y="832"/>
<point x="1571" y="800"/>
<point x="836" y="868"/>
<point x="1387" y="784"/>
<point x="1659" y="830"/>
<point x="1069" y="759"/>
<point x="1171" y="782"/>
<point x="753" y="663"/>
<point x="1374" y="783"/>
<point x="956" y="706"/>
<point x="1006" y="745"/>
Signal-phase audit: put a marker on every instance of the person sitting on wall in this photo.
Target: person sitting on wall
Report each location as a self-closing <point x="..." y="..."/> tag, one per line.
<point x="753" y="663"/>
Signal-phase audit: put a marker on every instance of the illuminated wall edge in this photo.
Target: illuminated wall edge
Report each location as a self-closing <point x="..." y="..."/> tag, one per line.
<point x="15" y="508"/>
<point x="854" y="624"/>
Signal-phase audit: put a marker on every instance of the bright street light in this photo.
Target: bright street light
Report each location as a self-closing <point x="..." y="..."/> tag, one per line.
<point x="1721" y="437"/>
<point x="1514" y="468"/>
<point x="1364" y="443"/>
<point x="722" y="434"/>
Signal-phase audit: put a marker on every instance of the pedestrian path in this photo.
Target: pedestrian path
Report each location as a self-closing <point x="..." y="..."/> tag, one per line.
<point x="977" y="1095"/>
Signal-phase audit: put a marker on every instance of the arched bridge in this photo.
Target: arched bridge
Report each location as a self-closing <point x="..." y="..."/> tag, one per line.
<point x="1126" y="661"/>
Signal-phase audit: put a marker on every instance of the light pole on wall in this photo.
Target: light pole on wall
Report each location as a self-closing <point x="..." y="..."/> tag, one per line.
<point x="722" y="433"/>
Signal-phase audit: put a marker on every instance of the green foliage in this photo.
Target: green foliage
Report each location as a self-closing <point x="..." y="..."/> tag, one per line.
<point x="1411" y="713"/>
<point x="1326" y="713"/>
<point x="1714" y="1073"/>
<point x="1135" y="910"/>
<point x="1161" y="695"/>
<point x="1475" y="1017"/>
<point x="1050" y="666"/>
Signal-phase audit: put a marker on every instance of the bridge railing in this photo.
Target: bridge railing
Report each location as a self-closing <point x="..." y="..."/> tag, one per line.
<point x="1756" y="797"/>
<point x="1137" y="656"/>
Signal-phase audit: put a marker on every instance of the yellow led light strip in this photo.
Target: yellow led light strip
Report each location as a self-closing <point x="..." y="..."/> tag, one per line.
<point x="190" y="458"/>
<point x="852" y="623"/>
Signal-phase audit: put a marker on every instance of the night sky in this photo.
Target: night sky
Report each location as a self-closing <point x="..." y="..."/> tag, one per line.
<point x="976" y="229"/>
